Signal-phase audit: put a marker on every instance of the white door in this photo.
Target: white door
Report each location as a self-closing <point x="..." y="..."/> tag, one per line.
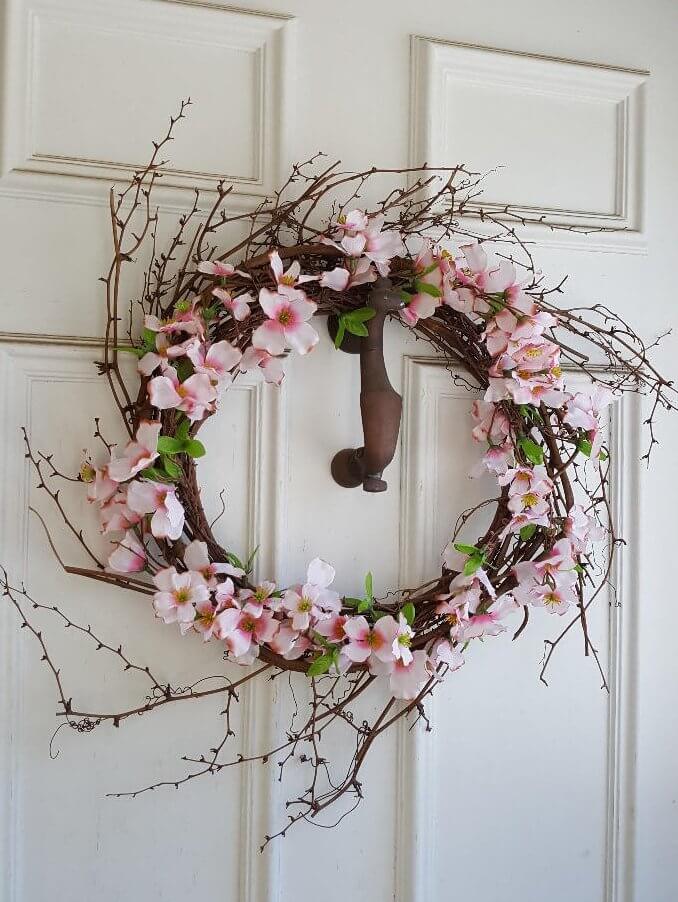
<point x="520" y="792"/>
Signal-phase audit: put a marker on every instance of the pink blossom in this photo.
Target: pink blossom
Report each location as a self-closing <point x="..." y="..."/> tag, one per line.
<point x="129" y="556"/>
<point x="102" y="488"/>
<point x="333" y="628"/>
<point x="408" y="678"/>
<point x="225" y="594"/>
<point x="195" y="396"/>
<point x="313" y="600"/>
<point x="287" y="323"/>
<point x="138" y="454"/>
<point x="428" y="272"/>
<point x="115" y="515"/>
<point x="557" y="566"/>
<point x="261" y="595"/>
<point x="206" y="613"/>
<point x="196" y="558"/>
<point x="288" y="643"/>
<point x="370" y="642"/>
<point x="583" y="412"/>
<point x="582" y="530"/>
<point x="217" y="362"/>
<point x="496" y="460"/>
<point x="238" y="307"/>
<point x="444" y="652"/>
<point x="159" y="499"/>
<point x="488" y="623"/>
<point x="492" y="424"/>
<point x="270" y="366"/>
<point x="357" y="271"/>
<point x="164" y="352"/>
<point x="360" y="235"/>
<point x="291" y="277"/>
<point x="243" y="627"/>
<point x="557" y="599"/>
<point x="178" y="595"/>
<point x="187" y="318"/>
<point x="217" y="268"/>
<point x="402" y="641"/>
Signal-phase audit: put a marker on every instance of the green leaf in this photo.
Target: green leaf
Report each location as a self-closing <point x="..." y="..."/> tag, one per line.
<point x="364" y="605"/>
<point x="585" y="447"/>
<point x="474" y="563"/>
<point x="184" y="369"/>
<point x="169" y="445"/>
<point x="579" y="568"/>
<point x="250" y="560"/>
<point x="171" y="467"/>
<point x="603" y="455"/>
<point x="341" y="331"/>
<point x="408" y="612"/>
<point x="138" y="352"/>
<point x="532" y="451"/>
<point x="321" y="665"/>
<point x="234" y="560"/>
<point x="156" y="474"/>
<point x="405" y="296"/>
<point x="194" y="448"/>
<point x="148" y="338"/>
<point x="356" y="328"/>
<point x="377" y="615"/>
<point x="183" y="428"/>
<point x="362" y="314"/>
<point x="527" y="532"/>
<point x="425" y="288"/>
<point x="368" y="586"/>
<point x="352" y="602"/>
<point x="466" y="549"/>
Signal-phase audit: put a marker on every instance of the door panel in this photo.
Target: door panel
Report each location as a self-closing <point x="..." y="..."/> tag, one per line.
<point x="520" y="792"/>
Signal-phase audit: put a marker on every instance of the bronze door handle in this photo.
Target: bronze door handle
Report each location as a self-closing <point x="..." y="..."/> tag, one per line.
<point x="380" y="403"/>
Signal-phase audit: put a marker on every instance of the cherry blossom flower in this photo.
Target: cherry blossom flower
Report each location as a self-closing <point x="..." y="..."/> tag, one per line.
<point x="402" y="641"/>
<point x="409" y="678"/>
<point x="186" y="319"/>
<point x="159" y="499"/>
<point x="243" y="627"/>
<point x="375" y="642"/>
<point x="218" y="268"/>
<point x="178" y="595"/>
<point x="262" y="595"/>
<point x="225" y="594"/>
<point x="206" y="613"/>
<point x="357" y="271"/>
<point x="582" y="530"/>
<point x="138" y="454"/>
<point x="287" y="323"/>
<point x="238" y="307"/>
<point x="102" y="488"/>
<point x="333" y="628"/>
<point x="195" y="396"/>
<point x="488" y="623"/>
<point x="196" y="557"/>
<point x="360" y="235"/>
<point x="313" y="600"/>
<point x="129" y="555"/>
<point x="115" y="515"/>
<point x="217" y="362"/>
<point x="270" y="366"/>
<point x="291" y="277"/>
<point x="583" y="411"/>
<point x="164" y="352"/>
<point x="492" y="424"/>
<point x="496" y="460"/>
<point x="557" y="567"/>
<point x="429" y="274"/>
<point x="558" y="600"/>
<point x="289" y="643"/>
<point x="444" y="652"/>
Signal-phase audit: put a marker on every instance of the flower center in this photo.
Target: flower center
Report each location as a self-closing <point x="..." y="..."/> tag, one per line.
<point x="405" y="640"/>
<point x="551" y="599"/>
<point x="530" y="499"/>
<point x="304" y="605"/>
<point x="285" y="317"/>
<point x="374" y="640"/>
<point x="287" y="280"/>
<point x="182" y="596"/>
<point x="248" y="624"/>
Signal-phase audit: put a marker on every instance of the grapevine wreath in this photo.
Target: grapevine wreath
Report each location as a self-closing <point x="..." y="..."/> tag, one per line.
<point x="208" y="314"/>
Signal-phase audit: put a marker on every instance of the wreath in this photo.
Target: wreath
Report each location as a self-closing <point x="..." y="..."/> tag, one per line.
<point x="208" y="314"/>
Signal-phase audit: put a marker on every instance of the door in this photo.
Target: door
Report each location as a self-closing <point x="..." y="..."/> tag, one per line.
<point x="519" y="791"/>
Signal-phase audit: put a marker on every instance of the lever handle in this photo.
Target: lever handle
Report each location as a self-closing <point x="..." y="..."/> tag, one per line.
<point x="380" y="403"/>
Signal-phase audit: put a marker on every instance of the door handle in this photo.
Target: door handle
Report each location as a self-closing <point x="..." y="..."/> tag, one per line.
<point x="380" y="403"/>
